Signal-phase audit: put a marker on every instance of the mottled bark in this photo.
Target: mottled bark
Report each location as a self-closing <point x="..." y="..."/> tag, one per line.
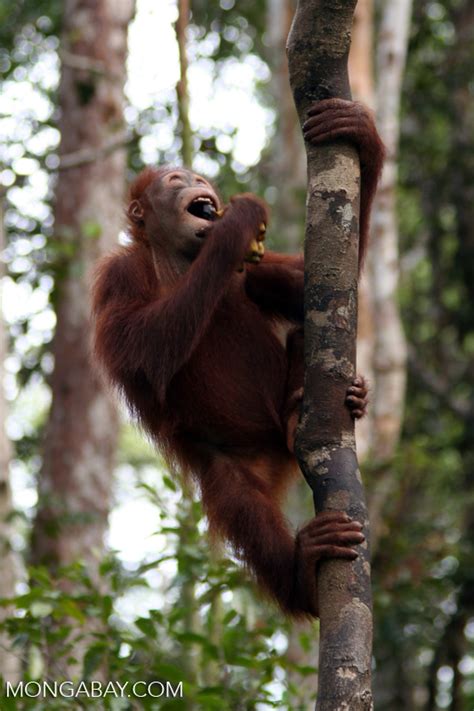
<point x="361" y="76"/>
<point x="9" y="663"/>
<point x="318" y="48"/>
<point x="390" y="346"/>
<point x="76" y="476"/>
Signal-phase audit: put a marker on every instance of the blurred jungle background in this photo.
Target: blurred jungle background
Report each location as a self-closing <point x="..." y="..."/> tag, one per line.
<point x="106" y="570"/>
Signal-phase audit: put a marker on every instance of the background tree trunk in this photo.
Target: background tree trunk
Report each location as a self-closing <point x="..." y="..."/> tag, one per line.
<point x="390" y="346"/>
<point x="76" y="477"/>
<point x="318" y="48"/>
<point x="361" y="76"/>
<point x="303" y="648"/>
<point x="9" y="663"/>
<point x="182" y="86"/>
<point x="287" y="163"/>
<point x="188" y="517"/>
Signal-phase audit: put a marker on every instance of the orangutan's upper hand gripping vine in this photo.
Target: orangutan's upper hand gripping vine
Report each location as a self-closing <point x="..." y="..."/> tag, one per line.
<point x="209" y="355"/>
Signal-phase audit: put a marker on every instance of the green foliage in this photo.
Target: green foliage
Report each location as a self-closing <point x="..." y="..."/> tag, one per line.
<point x="238" y="27"/>
<point x="14" y="17"/>
<point x="59" y="618"/>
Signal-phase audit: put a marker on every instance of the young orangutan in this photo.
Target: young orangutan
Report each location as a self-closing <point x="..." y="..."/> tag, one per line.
<point x="202" y="333"/>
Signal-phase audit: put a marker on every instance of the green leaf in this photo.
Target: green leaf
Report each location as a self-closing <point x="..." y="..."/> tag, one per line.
<point x="169" y="483"/>
<point x="230" y="616"/>
<point x="170" y="672"/>
<point x="93" y="657"/>
<point x="68" y="607"/>
<point x="146" y="626"/>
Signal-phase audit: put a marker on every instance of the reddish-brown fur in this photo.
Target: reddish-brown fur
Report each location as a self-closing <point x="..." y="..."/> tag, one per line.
<point x="209" y="359"/>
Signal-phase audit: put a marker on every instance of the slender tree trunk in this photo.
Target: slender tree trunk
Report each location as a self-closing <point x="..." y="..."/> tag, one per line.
<point x="191" y="623"/>
<point x="288" y="165"/>
<point x="296" y="653"/>
<point x="457" y="650"/>
<point x="318" y="48"/>
<point x="390" y="346"/>
<point x="9" y="663"/>
<point x="213" y="672"/>
<point x="361" y="75"/>
<point x="188" y="518"/>
<point x="182" y="86"/>
<point x="76" y="477"/>
<point x="298" y="511"/>
<point x="361" y="70"/>
<point x="362" y="83"/>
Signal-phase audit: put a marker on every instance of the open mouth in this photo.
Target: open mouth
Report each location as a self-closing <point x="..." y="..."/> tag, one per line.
<point x="204" y="208"/>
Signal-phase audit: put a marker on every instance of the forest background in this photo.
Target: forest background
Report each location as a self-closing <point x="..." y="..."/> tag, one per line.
<point x="106" y="566"/>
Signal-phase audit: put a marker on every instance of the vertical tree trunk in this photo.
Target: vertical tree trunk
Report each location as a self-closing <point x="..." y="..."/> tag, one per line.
<point x="80" y="441"/>
<point x="361" y="75"/>
<point x="9" y="663"/>
<point x="188" y="518"/>
<point x="287" y="167"/>
<point x="390" y="346"/>
<point x="288" y="175"/>
<point x="361" y="70"/>
<point x="318" y="48"/>
<point x="182" y="87"/>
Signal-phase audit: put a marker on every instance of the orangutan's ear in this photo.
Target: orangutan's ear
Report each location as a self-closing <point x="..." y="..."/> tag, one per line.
<point x="135" y="212"/>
